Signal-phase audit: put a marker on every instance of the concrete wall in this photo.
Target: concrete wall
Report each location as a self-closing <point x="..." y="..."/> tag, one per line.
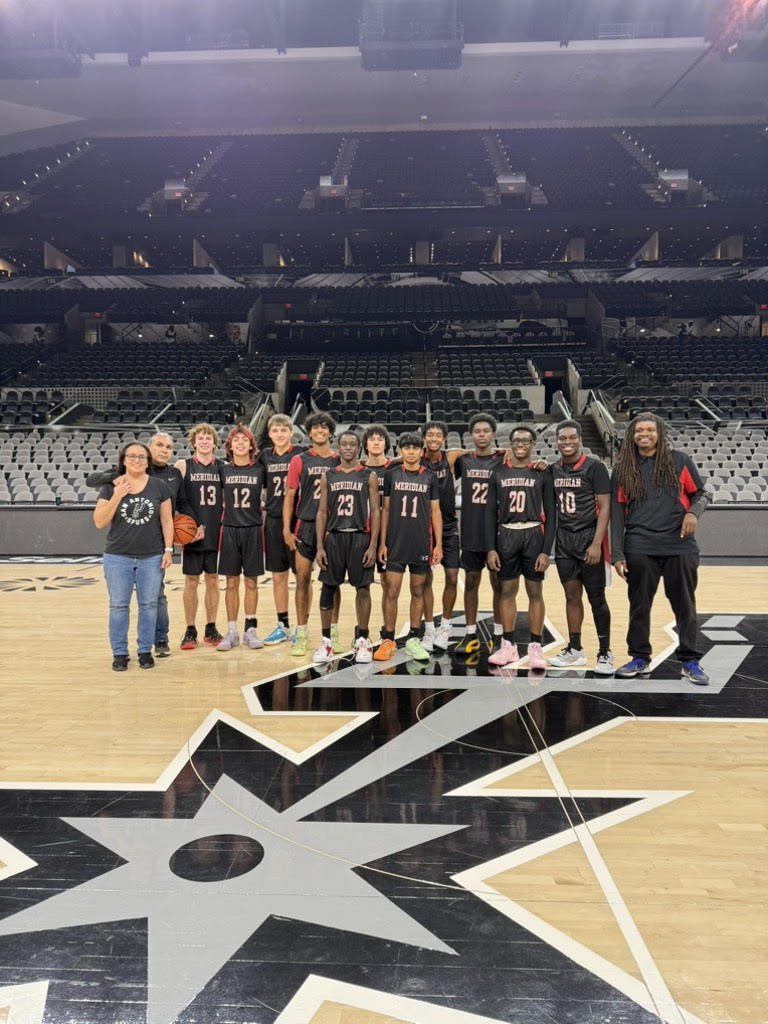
<point x="734" y="532"/>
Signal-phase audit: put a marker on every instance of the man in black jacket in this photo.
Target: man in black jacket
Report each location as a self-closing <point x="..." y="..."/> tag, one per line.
<point x="657" y="498"/>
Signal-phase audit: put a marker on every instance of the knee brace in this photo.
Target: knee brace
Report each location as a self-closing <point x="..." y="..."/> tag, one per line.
<point x="327" y="593"/>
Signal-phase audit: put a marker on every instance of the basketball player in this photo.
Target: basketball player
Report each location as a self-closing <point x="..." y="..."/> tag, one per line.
<point x="161" y="450"/>
<point x="410" y="522"/>
<point x="202" y="486"/>
<point x="519" y="531"/>
<point x="657" y="499"/>
<point x="349" y="512"/>
<point x="474" y="471"/>
<point x="279" y="559"/>
<point x="240" y="543"/>
<point x="435" y="434"/>
<point x="583" y="508"/>
<point x="303" y="480"/>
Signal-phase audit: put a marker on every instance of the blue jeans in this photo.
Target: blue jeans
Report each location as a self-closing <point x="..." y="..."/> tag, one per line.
<point x="122" y="573"/>
<point x="161" y="626"/>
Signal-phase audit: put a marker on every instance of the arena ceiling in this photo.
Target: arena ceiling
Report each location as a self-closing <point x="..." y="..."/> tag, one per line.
<point x="597" y="82"/>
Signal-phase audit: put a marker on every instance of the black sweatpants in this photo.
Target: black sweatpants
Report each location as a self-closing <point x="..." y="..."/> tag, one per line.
<point x="680" y="575"/>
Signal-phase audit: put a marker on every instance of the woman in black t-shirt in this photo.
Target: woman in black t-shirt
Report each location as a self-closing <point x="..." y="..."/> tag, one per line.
<point x="137" y="509"/>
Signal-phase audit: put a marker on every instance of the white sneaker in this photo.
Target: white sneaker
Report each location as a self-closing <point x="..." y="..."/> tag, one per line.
<point x="428" y="640"/>
<point x="443" y="636"/>
<point x="228" y="641"/>
<point x="604" y="665"/>
<point x="568" y="657"/>
<point x="363" y="650"/>
<point x="251" y="639"/>
<point x="324" y="652"/>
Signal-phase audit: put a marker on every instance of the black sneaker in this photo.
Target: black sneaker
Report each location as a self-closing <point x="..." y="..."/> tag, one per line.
<point x="162" y="650"/>
<point x="120" y="663"/>
<point x="189" y="640"/>
<point x="146" y="660"/>
<point x="469" y="644"/>
<point x="212" y="636"/>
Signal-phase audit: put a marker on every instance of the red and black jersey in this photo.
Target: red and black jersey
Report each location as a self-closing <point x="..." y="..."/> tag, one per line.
<point x="304" y="474"/>
<point x="241" y="489"/>
<point x="444" y="476"/>
<point x="409" y="522"/>
<point x="276" y="468"/>
<point x="576" y="488"/>
<point x="381" y="472"/>
<point x="652" y="526"/>
<point x="202" y="486"/>
<point x="348" y="505"/>
<point x="519" y="495"/>
<point x="474" y="471"/>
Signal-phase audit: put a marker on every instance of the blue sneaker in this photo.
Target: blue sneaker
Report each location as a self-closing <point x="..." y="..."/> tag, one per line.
<point x="636" y="667"/>
<point x="278" y="636"/>
<point x="692" y="670"/>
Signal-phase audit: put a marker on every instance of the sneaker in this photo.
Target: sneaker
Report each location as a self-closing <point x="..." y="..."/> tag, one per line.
<point x="324" y="652"/>
<point x="604" y="665"/>
<point x="146" y="660"/>
<point x="469" y="644"/>
<point x="213" y="638"/>
<point x="336" y="644"/>
<point x="415" y="649"/>
<point x="443" y="636"/>
<point x="387" y="649"/>
<point x="278" y="636"/>
<point x="251" y="639"/>
<point x="189" y="640"/>
<point x="635" y="667"/>
<point x="428" y="640"/>
<point x="536" y="659"/>
<point x="363" y="650"/>
<point x="692" y="670"/>
<point x="569" y="656"/>
<point x="232" y="639"/>
<point x="162" y="650"/>
<point x="120" y="663"/>
<point x="506" y="654"/>
<point x="299" y="643"/>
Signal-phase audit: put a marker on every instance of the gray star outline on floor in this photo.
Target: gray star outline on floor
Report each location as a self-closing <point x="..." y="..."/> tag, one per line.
<point x="307" y="873"/>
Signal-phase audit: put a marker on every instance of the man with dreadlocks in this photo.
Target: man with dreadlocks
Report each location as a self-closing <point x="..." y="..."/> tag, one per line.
<point x="657" y="498"/>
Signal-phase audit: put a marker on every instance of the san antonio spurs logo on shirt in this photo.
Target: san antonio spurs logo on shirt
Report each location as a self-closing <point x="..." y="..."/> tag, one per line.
<point x="137" y="510"/>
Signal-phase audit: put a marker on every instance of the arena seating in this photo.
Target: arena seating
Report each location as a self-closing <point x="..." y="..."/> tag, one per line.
<point x="23" y="168"/>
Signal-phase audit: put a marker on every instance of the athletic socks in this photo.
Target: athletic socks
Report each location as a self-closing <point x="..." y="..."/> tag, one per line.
<point x="535" y="638"/>
<point x="359" y="631"/>
<point x="510" y="636"/>
<point x="497" y="629"/>
<point x="251" y="624"/>
<point x="574" y="641"/>
<point x="471" y="630"/>
<point x="282" y="618"/>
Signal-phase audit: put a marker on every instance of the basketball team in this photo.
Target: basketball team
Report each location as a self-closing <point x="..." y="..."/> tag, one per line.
<point x="356" y="512"/>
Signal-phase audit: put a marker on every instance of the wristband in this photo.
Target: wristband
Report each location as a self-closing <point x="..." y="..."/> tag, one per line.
<point x="168" y="549"/>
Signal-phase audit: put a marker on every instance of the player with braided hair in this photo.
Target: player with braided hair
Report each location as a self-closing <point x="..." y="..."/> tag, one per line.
<point x="657" y="498"/>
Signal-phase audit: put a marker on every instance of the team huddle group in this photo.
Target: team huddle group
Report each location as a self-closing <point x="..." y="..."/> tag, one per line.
<point x="355" y="511"/>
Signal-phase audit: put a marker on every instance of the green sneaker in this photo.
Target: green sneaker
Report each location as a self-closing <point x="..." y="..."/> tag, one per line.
<point x="299" y="643"/>
<point x="336" y="644"/>
<point x="415" y="650"/>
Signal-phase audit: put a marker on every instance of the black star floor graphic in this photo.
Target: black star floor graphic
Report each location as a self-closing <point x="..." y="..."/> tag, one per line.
<point x="214" y="901"/>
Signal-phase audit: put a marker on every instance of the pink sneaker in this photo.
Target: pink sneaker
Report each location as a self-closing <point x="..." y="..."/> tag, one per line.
<point x="536" y="659"/>
<point x="505" y="655"/>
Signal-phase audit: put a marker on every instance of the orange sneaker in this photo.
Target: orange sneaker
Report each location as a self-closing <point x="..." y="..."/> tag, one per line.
<point x="386" y="650"/>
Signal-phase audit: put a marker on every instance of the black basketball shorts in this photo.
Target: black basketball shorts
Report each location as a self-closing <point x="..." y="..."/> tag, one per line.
<point x="570" y="548"/>
<point x="195" y="560"/>
<point x="345" y="558"/>
<point x="240" y="551"/>
<point x="306" y="539"/>
<point x="278" y="556"/>
<point x="518" y="551"/>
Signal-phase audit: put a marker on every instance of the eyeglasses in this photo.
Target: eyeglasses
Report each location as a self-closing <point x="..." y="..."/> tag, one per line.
<point x="136" y="458"/>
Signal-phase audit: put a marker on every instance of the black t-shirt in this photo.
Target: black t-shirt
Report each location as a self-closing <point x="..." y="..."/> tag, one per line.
<point x="135" y="530"/>
<point x="576" y="489"/>
<point x="475" y="472"/>
<point x="409" y="522"/>
<point x="241" y="488"/>
<point x="348" y="504"/>
<point x="168" y="474"/>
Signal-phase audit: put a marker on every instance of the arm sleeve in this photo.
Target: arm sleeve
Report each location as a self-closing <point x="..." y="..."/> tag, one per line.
<point x="101" y="478"/>
<point x="550" y="515"/>
<point x="693" y="486"/>
<point x="618" y="513"/>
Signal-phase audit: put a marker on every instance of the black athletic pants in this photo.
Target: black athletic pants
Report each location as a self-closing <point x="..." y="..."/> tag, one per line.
<point x="680" y="575"/>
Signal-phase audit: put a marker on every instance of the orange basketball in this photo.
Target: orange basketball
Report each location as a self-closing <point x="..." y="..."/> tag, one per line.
<point x="184" y="528"/>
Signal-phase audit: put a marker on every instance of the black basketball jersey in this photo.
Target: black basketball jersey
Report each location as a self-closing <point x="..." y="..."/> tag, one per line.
<point x="444" y="475"/>
<point x="409" y="522"/>
<point x="348" y="504"/>
<point x="474" y="472"/>
<point x="517" y="495"/>
<point x="242" y="487"/>
<point x="304" y="474"/>
<point x="381" y="472"/>
<point x="202" y="485"/>
<point x="276" y="467"/>
<point x="576" y="490"/>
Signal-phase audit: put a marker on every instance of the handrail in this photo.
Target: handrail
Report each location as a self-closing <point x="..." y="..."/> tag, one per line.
<point x="597" y="404"/>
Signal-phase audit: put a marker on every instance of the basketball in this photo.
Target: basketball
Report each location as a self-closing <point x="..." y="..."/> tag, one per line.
<point x="184" y="528"/>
